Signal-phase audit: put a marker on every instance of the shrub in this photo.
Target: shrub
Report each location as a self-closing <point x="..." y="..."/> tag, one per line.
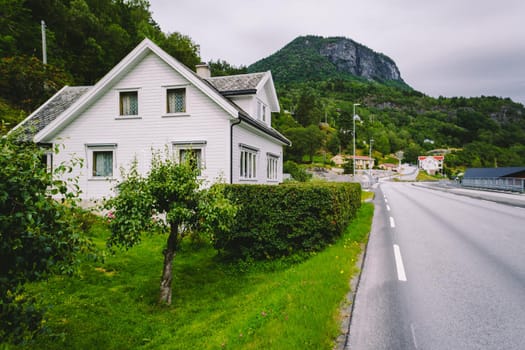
<point x="38" y="235"/>
<point x="297" y="173"/>
<point x="275" y="221"/>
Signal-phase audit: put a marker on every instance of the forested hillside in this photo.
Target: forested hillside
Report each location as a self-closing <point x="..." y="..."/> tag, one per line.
<point x="85" y="39"/>
<point x="318" y="80"/>
<point x="479" y="132"/>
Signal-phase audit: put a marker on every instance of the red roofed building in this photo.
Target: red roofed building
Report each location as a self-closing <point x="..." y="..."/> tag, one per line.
<point x="431" y="164"/>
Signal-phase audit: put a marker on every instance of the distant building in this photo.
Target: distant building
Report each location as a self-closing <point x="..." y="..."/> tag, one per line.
<point x="388" y="166"/>
<point x="361" y="162"/>
<point x="431" y="164"/>
<point x="508" y="179"/>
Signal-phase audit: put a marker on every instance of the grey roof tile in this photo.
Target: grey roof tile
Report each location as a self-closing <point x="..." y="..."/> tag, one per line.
<point x="51" y="110"/>
<point x="236" y="83"/>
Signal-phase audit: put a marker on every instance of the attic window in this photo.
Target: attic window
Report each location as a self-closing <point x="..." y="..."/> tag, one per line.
<point x="129" y="103"/>
<point x="176" y="100"/>
<point x="261" y="111"/>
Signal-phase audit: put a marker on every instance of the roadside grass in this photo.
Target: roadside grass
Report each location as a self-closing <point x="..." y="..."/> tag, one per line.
<point x="291" y="303"/>
<point x="423" y="176"/>
<point x="365" y="195"/>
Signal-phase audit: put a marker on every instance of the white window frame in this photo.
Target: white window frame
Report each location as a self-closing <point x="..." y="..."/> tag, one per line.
<point x="49" y="161"/>
<point x="261" y="111"/>
<point x="248" y="159"/>
<point x="119" y="93"/>
<point x="47" y="157"/>
<point x="165" y="111"/>
<point x="272" y="167"/>
<point x="107" y="147"/>
<point x="179" y="146"/>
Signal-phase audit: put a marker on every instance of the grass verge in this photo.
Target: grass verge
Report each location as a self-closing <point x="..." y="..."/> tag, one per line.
<point x="423" y="176"/>
<point x="282" y="304"/>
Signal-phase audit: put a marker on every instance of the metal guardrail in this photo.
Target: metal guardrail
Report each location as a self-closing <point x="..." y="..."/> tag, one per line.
<point x="513" y="184"/>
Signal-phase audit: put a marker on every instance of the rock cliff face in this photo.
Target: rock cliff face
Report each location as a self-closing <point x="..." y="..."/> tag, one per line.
<point x="356" y="59"/>
<point x="317" y="58"/>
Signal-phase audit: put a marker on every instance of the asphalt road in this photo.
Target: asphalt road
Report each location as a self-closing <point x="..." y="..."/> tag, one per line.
<point x="442" y="271"/>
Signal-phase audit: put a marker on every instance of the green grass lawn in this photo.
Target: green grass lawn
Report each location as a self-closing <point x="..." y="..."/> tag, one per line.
<point x="367" y="195"/>
<point x="216" y="304"/>
<point x="423" y="176"/>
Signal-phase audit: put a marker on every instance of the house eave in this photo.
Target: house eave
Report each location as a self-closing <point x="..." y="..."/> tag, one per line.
<point x="232" y="93"/>
<point x="265" y="129"/>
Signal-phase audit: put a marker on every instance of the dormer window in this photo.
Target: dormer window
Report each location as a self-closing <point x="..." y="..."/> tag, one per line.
<point x="129" y="103"/>
<point x="176" y="100"/>
<point x="261" y="111"/>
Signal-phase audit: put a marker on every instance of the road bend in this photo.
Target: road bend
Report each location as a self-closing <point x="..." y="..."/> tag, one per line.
<point x="442" y="271"/>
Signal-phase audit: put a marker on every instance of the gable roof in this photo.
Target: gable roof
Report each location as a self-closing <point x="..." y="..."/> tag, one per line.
<point x="49" y="111"/>
<point x="236" y="84"/>
<point x="493" y="172"/>
<point x="246" y="84"/>
<point x="73" y="107"/>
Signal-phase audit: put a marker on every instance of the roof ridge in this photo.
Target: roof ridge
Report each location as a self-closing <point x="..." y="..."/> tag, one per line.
<point x="233" y="75"/>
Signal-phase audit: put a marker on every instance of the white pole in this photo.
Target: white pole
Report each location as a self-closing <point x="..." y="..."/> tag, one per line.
<point x="370" y="160"/>
<point x="353" y="119"/>
<point x="44" y="49"/>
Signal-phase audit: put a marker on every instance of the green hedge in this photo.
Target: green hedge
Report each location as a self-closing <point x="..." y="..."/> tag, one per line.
<point x="275" y="221"/>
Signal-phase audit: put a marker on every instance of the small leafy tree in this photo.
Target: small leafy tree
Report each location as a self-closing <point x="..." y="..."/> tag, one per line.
<point x="304" y="141"/>
<point x="38" y="234"/>
<point x="170" y="196"/>
<point x="297" y="173"/>
<point x="348" y="167"/>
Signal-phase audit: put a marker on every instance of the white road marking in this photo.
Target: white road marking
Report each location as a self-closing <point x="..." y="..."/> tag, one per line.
<point x="413" y="335"/>
<point x="387" y="207"/>
<point x="386" y="200"/>
<point x="401" y="275"/>
<point x="392" y="222"/>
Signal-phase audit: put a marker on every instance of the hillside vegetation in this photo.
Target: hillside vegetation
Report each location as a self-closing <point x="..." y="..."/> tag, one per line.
<point x="317" y="97"/>
<point x="318" y="80"/>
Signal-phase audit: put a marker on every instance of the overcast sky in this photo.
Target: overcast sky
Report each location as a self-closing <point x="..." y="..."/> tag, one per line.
<point x="442" y="47"/>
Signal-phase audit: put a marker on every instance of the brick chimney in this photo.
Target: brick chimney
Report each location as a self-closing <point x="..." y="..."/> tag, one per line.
<point x="203" y="70"/>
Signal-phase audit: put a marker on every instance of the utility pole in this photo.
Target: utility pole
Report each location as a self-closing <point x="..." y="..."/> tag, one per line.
<point x="44" y="46"/>
<point x="354" y="118"/>
<point x="370" y="160"/>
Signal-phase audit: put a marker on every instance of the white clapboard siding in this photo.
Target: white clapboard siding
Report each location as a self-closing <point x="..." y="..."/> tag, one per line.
<point x="99" y="124"/>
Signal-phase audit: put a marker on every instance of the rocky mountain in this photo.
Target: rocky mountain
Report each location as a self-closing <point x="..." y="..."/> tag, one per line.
<point x="310" y="57"/>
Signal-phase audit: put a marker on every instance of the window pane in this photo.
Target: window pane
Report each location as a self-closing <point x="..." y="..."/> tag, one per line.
<point x="176" y="101"/>
<point x="194" y="156"/>
<point x="129" y="104"/>
<point x="103" y="163"/>
<point x="254" y="174"/>
<point x="248" y="164"/>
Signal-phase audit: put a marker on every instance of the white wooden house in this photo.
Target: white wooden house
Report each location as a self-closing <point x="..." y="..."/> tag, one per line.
<point x="151" y="101"/>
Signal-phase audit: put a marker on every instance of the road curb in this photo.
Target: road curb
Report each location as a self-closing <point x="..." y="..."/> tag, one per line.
<point x="348" y="309"/>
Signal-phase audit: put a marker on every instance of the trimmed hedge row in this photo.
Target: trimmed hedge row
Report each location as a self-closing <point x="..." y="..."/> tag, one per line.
<point x="275" y="221"/>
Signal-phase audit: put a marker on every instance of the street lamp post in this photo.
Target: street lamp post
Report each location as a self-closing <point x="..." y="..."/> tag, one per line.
<point x="370" y="160"/>
<point x="354" y="118"/>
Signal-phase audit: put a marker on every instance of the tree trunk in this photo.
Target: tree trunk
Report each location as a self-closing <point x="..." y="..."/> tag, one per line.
<point x="167" y="271"/>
